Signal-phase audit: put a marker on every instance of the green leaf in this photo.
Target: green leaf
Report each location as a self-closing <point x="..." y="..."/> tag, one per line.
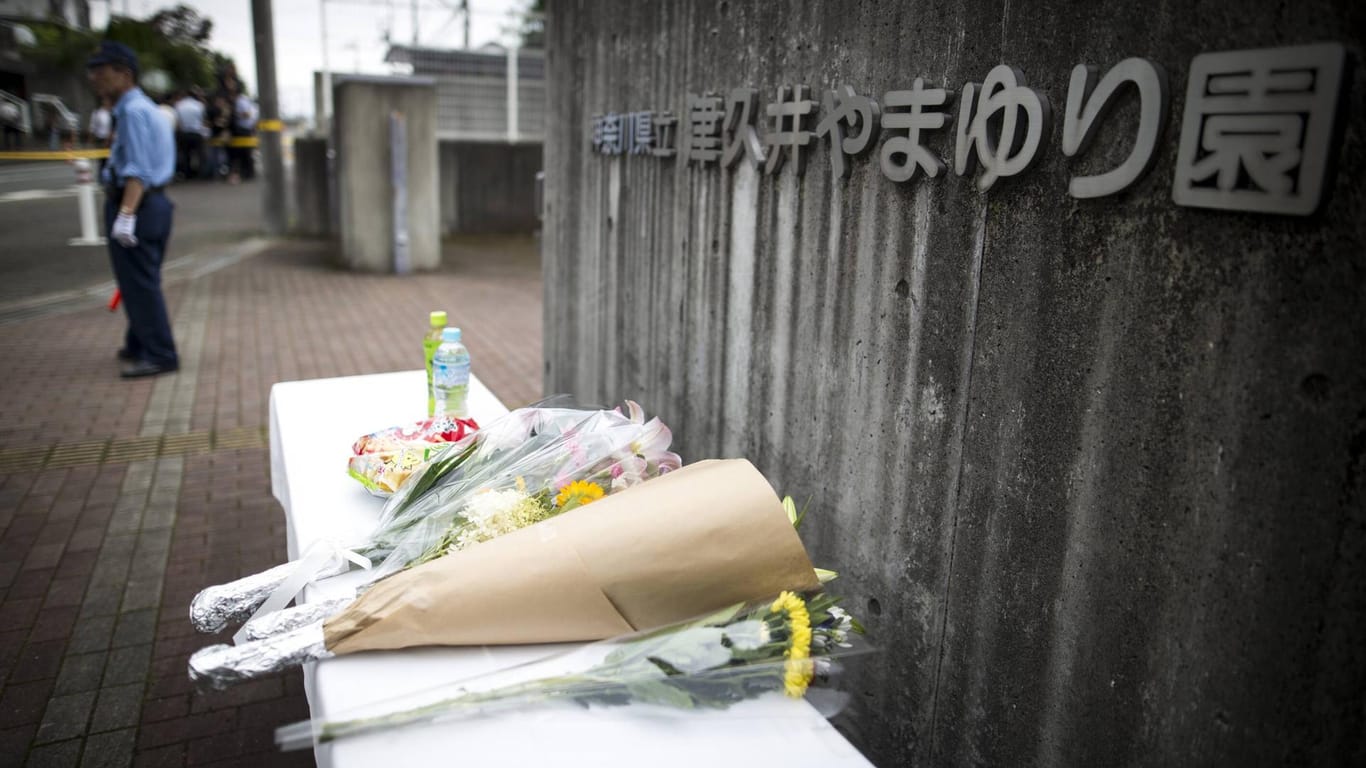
<point x="694" y="650"/>
<point x="657" y="692"/>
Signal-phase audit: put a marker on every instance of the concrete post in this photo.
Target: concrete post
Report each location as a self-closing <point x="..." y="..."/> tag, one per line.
<point x="366" y="221"/>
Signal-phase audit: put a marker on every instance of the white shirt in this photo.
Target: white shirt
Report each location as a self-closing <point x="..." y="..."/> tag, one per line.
<point x="169" y="112"/>
<point x="100" y="124"/>
<point x="190" y="112"/>
<point x="245" y="119"/>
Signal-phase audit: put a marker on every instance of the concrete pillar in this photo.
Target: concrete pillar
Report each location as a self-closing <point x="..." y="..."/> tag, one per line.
<point x="361" y="110"/>
<point x="312" y="215"/>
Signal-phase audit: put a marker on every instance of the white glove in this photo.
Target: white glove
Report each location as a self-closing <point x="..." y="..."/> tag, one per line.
<point x="124" y="224"/>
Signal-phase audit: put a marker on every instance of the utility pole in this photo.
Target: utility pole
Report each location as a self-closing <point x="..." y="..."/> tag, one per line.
<point x="414" y="23"/>
<point x="324" y="121"/>
<point x="465" y="6"/>
<point x="269" y="126"/>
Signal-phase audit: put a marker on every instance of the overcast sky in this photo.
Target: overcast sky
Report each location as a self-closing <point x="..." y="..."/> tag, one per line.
<point x="355" y="34"/>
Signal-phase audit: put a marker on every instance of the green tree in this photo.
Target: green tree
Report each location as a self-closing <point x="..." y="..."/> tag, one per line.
<point x="173" y="40"/>
<point x="533" y="25"/>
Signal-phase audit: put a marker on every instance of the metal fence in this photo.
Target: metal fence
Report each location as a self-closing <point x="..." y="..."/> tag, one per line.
<point x="489" y="94"/>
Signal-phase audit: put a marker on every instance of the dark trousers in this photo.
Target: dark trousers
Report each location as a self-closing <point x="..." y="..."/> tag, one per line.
<point x="190" y="154"/>
<point x="138" y="272"/>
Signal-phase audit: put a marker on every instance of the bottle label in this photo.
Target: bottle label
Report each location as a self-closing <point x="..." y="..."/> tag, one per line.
<point x="450" y="375"/>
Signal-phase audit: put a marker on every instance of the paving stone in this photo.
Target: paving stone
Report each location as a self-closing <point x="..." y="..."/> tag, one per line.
<point x="165" y="708"/>
<point x="14" y="742"/>
<point x="128" y="665"/>
<point x="184" y="729"/>
<point x="103" y="598"/>
<point x="171" y="756"/>
<point x="81" y="672"/>
<point x="117" y="707"/>
<point x="24" y="703"/>
<point x="30" y="584"/>
<point x="20" y="613"/>
<point x="44" y="556"/>
<point x="211" y="749"/>
<point x="142" y="593"/>
<point x="65" y="593"/>
<point x="110" y="750"/>
<point x="54" y="624"/>
<point x="135" y="628"/>
<point x="62" y="755"/>
<point x="84" y="540"/>
<point x="91" y="634"/>
<point x="65" y="717"/>
<point x="10" y="644"/>
<point x="9" y="570"/>
<point x="37" y="661"/>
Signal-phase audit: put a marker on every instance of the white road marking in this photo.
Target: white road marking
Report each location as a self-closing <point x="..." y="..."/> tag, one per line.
<point x="37" y="194"/>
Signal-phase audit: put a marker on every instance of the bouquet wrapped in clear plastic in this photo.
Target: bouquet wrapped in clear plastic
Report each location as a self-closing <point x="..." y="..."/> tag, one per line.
<point x="777" y="646"/>
<point x="531" y="465"/>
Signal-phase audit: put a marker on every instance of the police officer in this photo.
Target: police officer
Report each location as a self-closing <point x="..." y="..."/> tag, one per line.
<point x="137" y="212"/>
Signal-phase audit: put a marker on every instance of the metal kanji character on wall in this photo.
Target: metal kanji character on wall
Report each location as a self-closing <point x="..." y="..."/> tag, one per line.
<point x="1079" y="121"/>
<point x="739" y="134"/>
<point x="665" y="125"/>
<point x="607" y="134"/>
<point x="789" y="113"/>
<point x="1002" y="147"/>
<point x="704" y="128"/>
<point x="843" y="108"/>
<point x="902" y="155"/>
<point x="642" y="133"/>
<point x="1258" y="129"/>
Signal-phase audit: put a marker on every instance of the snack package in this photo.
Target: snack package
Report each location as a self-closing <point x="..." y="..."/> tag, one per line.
<point x="383" y="460"/>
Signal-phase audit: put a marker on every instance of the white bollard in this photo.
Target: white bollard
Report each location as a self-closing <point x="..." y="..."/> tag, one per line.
<point x="85" y="200"/>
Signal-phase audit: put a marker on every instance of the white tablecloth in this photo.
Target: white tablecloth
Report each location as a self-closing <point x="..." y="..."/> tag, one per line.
<point x="312" y="426"/>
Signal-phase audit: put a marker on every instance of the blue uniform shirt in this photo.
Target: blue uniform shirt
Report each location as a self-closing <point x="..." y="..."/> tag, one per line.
<point x="144" y="144"/>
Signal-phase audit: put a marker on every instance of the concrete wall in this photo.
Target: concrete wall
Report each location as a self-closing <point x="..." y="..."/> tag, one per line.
<point x="1092" y="470"/>
<point x="488" y="188"/>
<point x="312" y="209"/>
<point x="361" y="109"/>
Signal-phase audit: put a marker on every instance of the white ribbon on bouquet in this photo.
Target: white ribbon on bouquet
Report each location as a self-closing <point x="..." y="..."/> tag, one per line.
<point x="325" y="556"/>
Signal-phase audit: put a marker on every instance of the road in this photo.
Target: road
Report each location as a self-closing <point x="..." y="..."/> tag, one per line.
<point x="38" y="215"/>
<point x="18" y="180"/>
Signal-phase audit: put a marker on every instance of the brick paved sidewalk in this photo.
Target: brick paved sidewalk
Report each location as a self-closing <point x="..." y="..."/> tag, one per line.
<point x="119" y="500"/>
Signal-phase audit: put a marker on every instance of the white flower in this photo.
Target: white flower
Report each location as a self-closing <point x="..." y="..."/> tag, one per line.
<point x="748" y="635"/>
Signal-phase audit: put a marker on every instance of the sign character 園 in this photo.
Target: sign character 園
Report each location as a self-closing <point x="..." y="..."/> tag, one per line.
<point x="1258" y="129"/>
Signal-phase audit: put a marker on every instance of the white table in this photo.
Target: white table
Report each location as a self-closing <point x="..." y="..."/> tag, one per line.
<point x="312" y="426"/>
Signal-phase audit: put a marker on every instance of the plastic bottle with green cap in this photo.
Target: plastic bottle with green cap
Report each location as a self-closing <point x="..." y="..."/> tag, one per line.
<point x="429" y="344"/>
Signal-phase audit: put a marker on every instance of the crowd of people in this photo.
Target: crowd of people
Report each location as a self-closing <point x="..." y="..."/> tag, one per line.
<point x="212" y="131"/>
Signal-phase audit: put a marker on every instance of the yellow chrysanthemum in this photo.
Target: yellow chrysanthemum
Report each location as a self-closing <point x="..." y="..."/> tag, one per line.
<point x="799" y="669"/>
<point x="578" y="493"/>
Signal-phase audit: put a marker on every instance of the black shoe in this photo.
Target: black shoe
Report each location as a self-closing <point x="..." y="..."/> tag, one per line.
<point x="143" y="368"/>
<point x="126" y="356"/>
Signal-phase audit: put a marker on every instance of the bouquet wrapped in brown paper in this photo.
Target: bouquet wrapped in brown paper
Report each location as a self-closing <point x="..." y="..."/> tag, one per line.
<point x="695" y="540"/>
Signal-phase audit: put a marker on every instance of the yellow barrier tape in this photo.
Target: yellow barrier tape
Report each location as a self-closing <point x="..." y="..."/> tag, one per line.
<point x="236" y="141"/>
<point x="270" y="125"/>
<point x="99" y="154"/>
<point x="71" y="154"/>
